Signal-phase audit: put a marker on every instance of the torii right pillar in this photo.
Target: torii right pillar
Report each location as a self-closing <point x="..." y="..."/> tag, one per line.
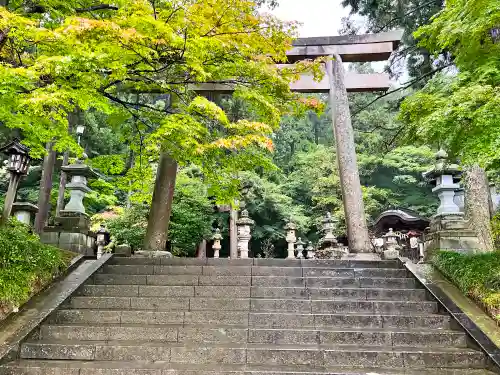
<point x="352" y="196"/>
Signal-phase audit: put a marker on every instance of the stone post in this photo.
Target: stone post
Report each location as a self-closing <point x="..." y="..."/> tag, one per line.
<point x="448" y="228"/>
<point x="244" y="224"/>
<point x="24" y="212"/>
<point x="300" y="248"/>
<point x="357" y="229"/>
<point x="291" y="229"/>
<point x="102" y="236"/>
<point x="310" y="251"/>
<point x="233" y="233"/>
<point x="217" y="237"/>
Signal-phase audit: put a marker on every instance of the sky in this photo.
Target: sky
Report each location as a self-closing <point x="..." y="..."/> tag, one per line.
<point x="318" y="17"/>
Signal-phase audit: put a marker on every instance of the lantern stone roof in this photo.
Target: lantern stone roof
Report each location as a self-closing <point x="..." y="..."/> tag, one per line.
<point x="442" y="167"/>
<point x="244" y="219"/>
<point x="79" y="169"/>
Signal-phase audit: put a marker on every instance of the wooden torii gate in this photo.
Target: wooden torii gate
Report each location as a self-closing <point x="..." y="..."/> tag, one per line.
<point x="350" y="48"/>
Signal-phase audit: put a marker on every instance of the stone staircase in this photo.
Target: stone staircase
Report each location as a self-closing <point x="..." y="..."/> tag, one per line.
<point x="250" y="316"/>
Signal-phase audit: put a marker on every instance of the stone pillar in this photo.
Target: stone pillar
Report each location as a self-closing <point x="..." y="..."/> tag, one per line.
<point x="300" y="248"/>
<point x="357" y="229"/>
<point x="217" y="237"/>
<point x="24" y="212"/>
<point x="233" y="233"/>
<point x="102" y="240"/>
<point x="448" y="228"/>
<point x="459" y="199"/>
<point x="291" y="229"/>
<point x="244" y="224"/>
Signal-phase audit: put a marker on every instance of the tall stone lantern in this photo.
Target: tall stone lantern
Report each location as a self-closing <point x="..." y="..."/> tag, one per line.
<point x="71" y="230"/>
<point x="217" y="237"/>
<point x="244" y="224"/>
<point x="291" y="229"/>
<point x="300" y="248"/>
<point x="448" y="228"/>
<point x="328" y="245"/>
<point x="18" y="164"/>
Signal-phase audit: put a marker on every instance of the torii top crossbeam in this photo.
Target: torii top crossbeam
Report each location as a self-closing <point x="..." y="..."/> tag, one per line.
<point x="351" y="48"/>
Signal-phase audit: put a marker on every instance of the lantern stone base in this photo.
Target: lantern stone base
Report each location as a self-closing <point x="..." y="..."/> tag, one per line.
<point x="78" y="241"/>
<point x="71" y="231"/>
<point x="123" y="251"/>
<point x="452" y="233"/>
<point x="391" y="254"/>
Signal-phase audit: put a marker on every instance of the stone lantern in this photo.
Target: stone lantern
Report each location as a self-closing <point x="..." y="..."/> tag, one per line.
<point x="310" y="251"/>
<point x="71" y="230"/>
<point x="24" y="212"/>
<point x="291" y="229"/>
<point x="102" y="239"/>
<point x="448" y="229"/>
<point x="391" y="245"/>
<point x="244" y="224"/>
<point x="445" y="176"/>
<point x="217" y="237"/>
<point x="328" y="244"/>
<point x="300" y="248"/>
<point x="18" y="164"/>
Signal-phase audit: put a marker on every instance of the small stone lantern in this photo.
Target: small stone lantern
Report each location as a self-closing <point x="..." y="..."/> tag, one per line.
<point x="391" y="245"/>
<point x="445" y="176"/>
<point x="24" y="212"/>
<point x="310" y="251"/>
<point x="18" y="165"/>
<point x="244" y="224"/>
<point x="217" y="237"/>
<point x="291" y="229"/>
<point x="102" y="240"/>
<point x="300" y="248"/>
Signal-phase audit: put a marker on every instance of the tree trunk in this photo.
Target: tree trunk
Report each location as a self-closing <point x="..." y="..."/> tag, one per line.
<point x="161" y="206"/>
<point x="130" y="166"/>
<point x="357" y="229"/>
<point x="477" y="205"/>
<point x="202" y="250"/>
<point x="233" y="234"/>
<point x="45" y="189"/>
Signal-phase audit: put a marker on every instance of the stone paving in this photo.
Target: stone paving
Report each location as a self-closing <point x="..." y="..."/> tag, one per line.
<point x="250" y="316"/>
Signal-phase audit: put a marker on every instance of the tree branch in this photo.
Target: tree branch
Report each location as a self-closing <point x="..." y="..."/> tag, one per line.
<point x="382" y="28"/>
<point x="96" y="7"/>
<point x="405" y="86"/>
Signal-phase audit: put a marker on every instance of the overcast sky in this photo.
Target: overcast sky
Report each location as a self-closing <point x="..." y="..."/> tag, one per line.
<point x="318" y="17"/>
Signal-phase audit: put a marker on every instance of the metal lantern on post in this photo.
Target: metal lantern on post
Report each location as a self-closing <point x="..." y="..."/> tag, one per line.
<point x="300" y="248"/>
<point x="291" y="228"/>
<point x="18" y="164"/>
<point x="217" y="237"/>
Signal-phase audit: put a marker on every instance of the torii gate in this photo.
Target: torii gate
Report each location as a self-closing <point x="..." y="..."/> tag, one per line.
<point x="350" y="48"/>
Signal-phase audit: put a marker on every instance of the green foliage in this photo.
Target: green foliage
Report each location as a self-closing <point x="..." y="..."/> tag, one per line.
<point x="26" y="265"/>
<point x="127" y="226"/>
<point x="460" y="111"/>
<point x="476" y="275"/>
<point x="495" y="229"/>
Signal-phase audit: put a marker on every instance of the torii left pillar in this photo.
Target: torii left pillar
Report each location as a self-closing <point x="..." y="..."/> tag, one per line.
<point x="352" y="196"/>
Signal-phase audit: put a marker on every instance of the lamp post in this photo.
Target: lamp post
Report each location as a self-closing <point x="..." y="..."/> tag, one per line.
<point x="18" y="165"/>
<point x="291" y="228"/>
<point x="244" y="224"/>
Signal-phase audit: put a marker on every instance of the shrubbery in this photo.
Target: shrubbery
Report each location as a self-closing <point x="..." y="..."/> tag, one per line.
<point x="26" y="265"/>
<point x="476" y="275"/>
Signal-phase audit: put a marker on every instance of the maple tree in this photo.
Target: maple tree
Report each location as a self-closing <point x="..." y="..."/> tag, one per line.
<point x="142" y="61"/>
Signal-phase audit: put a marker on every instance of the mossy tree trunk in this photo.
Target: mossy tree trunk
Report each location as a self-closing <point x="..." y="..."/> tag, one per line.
<point x="477" y="205"/>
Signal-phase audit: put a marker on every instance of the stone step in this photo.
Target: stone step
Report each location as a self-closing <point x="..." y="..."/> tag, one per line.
<point x="252" y="304"/>
<point x="330" y="263"/>
<point x="221" y="334"/>
<point x="92" y="290"/>
<point x="253" y="319"/>
<point x="254" y="271"/>
<point x="54" y="367"/>
<point x="255" y="354"/>
<point x="265" y="281"/>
